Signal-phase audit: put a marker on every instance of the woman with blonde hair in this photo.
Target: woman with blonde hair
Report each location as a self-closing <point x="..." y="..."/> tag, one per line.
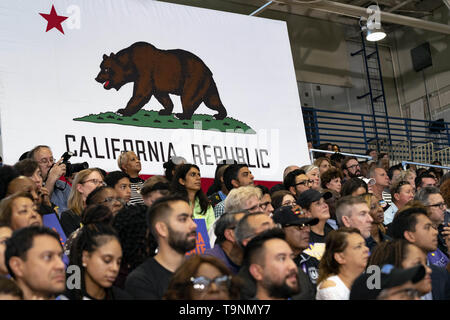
<point x="130" y="164"/>
<point x="406" y="175"/>
<point x="323" y="163"/>
<point x="84" y="183"/>
<point x="344" y="259"/>
<point x="312" y="171"/>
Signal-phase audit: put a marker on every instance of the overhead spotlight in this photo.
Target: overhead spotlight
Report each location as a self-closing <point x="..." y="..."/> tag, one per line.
<point x="372" y="27"/>
<point x="375" y="34"/>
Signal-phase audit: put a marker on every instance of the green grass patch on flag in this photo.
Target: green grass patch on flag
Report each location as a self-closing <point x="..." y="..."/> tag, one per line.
<point x="151" y="119"/>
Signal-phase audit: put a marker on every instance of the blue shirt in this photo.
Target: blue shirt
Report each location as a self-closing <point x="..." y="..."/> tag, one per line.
<point x="218" y="252"/>
<point x="60" y="196"/>
<point x="222" y="195"/>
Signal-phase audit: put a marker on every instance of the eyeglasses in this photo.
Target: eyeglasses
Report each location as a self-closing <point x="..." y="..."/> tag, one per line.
<point x="256" y="206"/>
<point x="300" y="227"/>
<point x="46" y="160"/>
<point x="111" y="199"/>
<point x="203" y="283"/>
<point x="304" y="182"/>
<point x="353" y="166"/>
<point x="441" y="205"/>
<point x="289" y="203"/>
<point x="264" y="205"/>
<point x="95" y="181"/>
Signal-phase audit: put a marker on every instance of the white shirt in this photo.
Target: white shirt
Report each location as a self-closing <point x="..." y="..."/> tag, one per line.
<point x="338" y="292"/>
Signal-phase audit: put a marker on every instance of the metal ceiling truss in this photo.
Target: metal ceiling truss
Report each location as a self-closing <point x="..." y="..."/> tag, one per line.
<point x="357" y="12"/>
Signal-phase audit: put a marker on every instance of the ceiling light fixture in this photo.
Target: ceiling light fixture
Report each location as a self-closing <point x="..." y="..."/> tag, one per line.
<point x="375" y="34"/>
<point x="372" y="27"/>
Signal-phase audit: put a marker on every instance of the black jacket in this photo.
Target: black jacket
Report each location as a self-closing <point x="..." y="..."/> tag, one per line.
<point x="440" y="282"/>
<point x="70" y="222"/>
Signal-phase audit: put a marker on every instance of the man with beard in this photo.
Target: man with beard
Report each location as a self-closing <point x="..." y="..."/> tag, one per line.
<point x="350" y="168"/>
<point x="170" y="222"/>
<point x="270" y="262"/>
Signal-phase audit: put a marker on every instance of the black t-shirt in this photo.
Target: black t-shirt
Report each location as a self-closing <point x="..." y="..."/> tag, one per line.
<point x="317" y="238"/>
<point x="70" y="222"/>
<point x="149" y="281"/>
<point x="112" y="293"/>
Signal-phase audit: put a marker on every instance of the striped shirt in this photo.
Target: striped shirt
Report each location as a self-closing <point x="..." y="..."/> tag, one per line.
<point x="387" y="197"/>
<point x="136" y="185"/>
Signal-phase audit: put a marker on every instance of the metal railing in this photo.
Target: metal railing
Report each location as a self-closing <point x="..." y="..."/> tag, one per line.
<point x="404" y="163"/>
<point x="443" y="156"/>
<point x="311" y="154"/>
<point x="423" y="153"/>
<point x="355" y="133"/>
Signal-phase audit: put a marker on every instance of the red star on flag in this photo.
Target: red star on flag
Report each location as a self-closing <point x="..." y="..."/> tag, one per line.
<point x="53" y="20"/>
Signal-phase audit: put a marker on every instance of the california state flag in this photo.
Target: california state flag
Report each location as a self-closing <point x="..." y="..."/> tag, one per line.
<point x="97" y="77"/>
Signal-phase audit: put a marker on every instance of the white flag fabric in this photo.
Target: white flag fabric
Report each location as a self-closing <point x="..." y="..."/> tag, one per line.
<point x="100" y="77"/>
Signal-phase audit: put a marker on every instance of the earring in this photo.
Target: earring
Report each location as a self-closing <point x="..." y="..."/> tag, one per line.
<point x="84" y="264"/>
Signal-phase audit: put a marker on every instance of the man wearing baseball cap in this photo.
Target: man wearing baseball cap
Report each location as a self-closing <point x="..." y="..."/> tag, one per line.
<point x="297" y="227"/>
<point x="392" y="284"/>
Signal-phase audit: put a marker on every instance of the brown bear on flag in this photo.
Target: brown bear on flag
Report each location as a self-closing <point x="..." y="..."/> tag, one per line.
<point x="159" y="73"/>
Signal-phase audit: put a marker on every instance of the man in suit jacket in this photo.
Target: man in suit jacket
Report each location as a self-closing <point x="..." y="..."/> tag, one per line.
<point x="440" y="283"/>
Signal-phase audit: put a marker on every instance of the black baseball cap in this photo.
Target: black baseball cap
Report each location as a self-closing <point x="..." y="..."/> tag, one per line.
<point x="309" y="196"/>
<point x="390" y="277"/>
<point x="292" y="215"/>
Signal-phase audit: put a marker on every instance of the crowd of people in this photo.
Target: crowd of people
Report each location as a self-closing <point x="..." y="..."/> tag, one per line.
<point x="336" y="229"/>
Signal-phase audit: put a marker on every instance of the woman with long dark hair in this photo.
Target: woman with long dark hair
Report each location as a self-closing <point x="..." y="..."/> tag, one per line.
<point x="98" y="254"/>
<point x="187" y="183"/>
<point x="136" y="239"/>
